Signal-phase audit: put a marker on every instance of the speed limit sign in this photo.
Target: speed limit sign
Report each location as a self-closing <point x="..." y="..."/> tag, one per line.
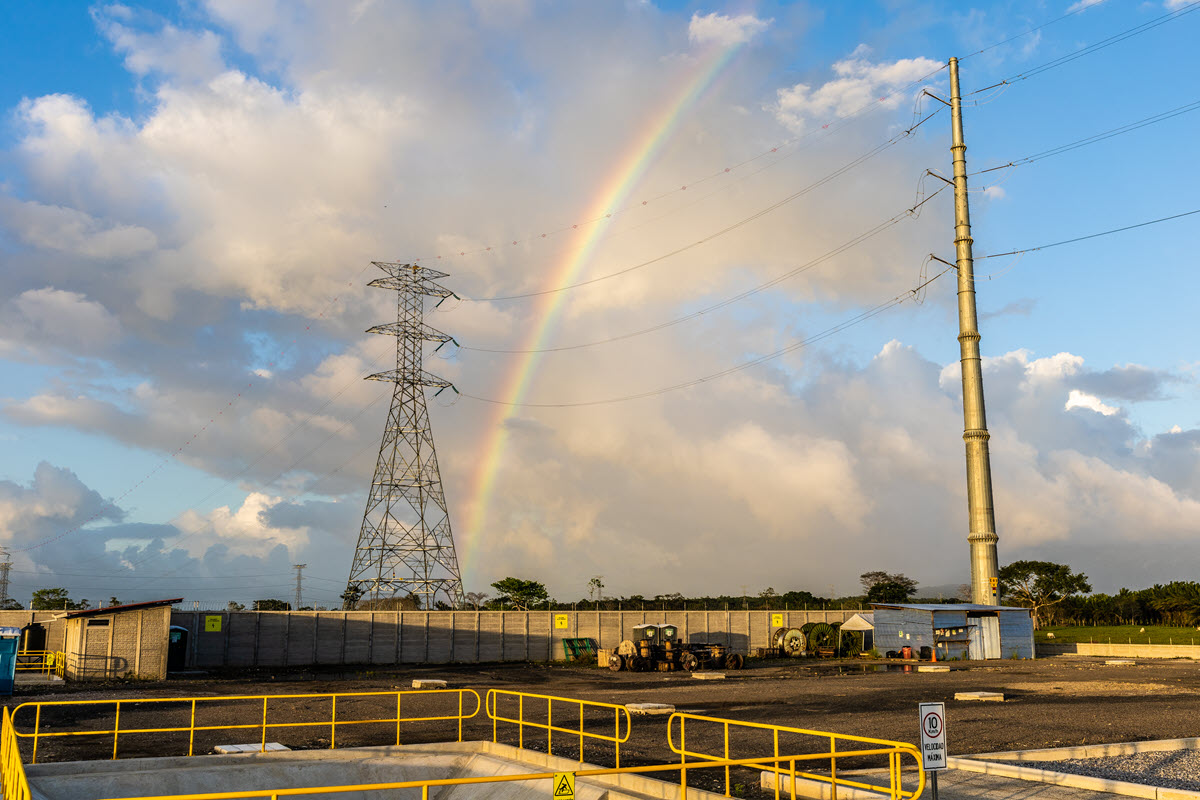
<point x="933" y="736"/>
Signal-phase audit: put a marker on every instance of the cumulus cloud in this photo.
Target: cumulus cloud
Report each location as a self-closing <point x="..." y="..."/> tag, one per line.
<point x="213" y="249"/>
<point x="67" y="321"/>
<point x="164" y="48"/>
<point x="1078" y="399"/>
<point x="859" y="82"/>
<point x="725" y="31"/>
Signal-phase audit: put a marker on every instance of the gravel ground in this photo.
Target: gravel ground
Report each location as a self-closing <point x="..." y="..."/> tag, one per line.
<point x="1171" y="769"/>
<point x="1052" y="702"/>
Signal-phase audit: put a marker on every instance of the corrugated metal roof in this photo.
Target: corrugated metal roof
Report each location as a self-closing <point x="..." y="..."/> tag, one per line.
<point x="88" y="612"/>
<point x="931" y="607"/>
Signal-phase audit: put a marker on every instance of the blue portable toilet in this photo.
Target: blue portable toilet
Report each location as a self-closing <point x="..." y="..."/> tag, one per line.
<point x="10" y="640"/>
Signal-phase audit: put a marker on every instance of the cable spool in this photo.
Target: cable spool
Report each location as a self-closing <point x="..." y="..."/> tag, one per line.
<point x="793" y="642"/>
<point x="777" y="637"/>
<point x="822" y="636"/>
<point x="852" y="643"/>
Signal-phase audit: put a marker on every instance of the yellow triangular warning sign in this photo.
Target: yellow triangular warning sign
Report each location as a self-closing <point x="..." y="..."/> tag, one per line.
<point x="564" y="786"/>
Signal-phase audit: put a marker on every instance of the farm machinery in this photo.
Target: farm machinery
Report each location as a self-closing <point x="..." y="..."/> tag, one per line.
<point x="657" y="648"/>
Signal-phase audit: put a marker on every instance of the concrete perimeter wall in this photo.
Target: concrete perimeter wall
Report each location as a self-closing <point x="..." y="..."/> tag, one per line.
<point x="1119" y="650"/>
<point x="307" y="638"/>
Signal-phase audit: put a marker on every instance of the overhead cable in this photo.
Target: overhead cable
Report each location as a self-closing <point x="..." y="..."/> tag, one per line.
<point x="1099" y="137"/>
<point x="912" y="294"/>
<point x="704" y="240"/>
<point x="808" y="265"/>
<point x="1090" y="236"/>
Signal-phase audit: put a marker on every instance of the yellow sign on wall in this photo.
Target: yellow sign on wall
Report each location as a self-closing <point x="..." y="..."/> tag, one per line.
<point x="564" y="786"/>
<point x="212" y="624"/>
<point x="560" y="621"/>
<point x="777" y="620"/>
<point x="995" y="582"/>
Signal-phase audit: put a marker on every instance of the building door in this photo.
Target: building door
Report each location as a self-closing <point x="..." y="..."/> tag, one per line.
<point x="33" y="638"/>
<point x="991" y="636"/>
<point x="983" y="634"/>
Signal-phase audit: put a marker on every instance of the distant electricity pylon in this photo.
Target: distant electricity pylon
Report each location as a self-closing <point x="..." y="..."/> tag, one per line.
<point x="299" y="584"/>
<point x="405" y="545"/>
<point x="5" y="567"/>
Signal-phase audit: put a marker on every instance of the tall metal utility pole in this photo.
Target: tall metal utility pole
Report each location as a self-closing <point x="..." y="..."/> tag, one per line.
<point x="299" y="584"/>
<point x="406" y="545"/>
<point x="982" y="537"/>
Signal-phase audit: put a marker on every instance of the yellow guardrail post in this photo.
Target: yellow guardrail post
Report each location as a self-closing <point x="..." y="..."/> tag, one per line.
<point x="192" y="729"/>
<point x="116" y="730"/>
<point x="727" y="758"/>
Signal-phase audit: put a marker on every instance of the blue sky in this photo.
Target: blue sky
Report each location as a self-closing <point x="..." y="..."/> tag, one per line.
<point x="190" y="194"/>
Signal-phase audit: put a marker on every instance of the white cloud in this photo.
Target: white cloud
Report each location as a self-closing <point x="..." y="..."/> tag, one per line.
<point x="1078" y="399"/>
<point x="725" y="31"/>
<point x="858" y="83"/>
<point x="51" y="317"/>
<point x="1082" y="4"/>
<point x="241" y="531"/>
<point x="187" y="55"/>
<point x="68" y="230"/>
<point x="995" y="193"/>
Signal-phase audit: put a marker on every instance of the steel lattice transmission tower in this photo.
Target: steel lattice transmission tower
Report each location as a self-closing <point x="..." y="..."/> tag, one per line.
<point x="405" y="545"/>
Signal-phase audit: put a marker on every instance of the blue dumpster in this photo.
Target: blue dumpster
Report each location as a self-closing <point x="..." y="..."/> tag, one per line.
<point x="10" y="640"/>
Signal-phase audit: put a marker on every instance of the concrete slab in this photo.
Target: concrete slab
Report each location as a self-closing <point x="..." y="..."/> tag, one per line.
<point x="993" y="697"/>
<point x="428" y="683"/>
<point x="1120" y="662"/>
<point x="650" y="709"/>
<point x="709" y="676"/>
<point x="932" y="668"/>
<point x="256" y="747"/>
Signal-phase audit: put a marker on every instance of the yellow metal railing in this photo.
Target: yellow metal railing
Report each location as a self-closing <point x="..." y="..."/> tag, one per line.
<point x="873" y="747"/>
<point x="13" y="784"/>
<point x="261" y="705"/>
<point x="43" y="661"/>
<point x="425" y="785"/>
<point x="539" y="702"/>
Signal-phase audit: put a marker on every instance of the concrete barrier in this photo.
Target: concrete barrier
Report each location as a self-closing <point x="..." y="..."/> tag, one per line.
<point x="1118" y="650"/>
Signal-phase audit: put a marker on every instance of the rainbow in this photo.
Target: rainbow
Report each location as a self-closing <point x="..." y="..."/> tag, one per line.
<point x="614" y="194"/>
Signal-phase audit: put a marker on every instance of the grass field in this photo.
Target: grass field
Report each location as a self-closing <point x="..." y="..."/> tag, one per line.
<point x="1122" y="634"/>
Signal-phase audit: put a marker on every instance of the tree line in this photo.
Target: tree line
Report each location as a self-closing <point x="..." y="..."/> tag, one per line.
<point x="1056" y="594"/>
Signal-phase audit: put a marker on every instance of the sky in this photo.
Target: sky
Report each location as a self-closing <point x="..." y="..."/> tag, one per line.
<point x="710" y="220"/>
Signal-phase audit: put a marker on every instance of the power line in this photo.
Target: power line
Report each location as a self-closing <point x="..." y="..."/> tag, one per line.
<point x="1099" y="137"/>
<point x="855" y="320"/>
<point x="740" y="223"/>
<point x="862" y="237"/>
<point x="1104" y="43"/>
<point x="1002" y="42"/>
<point x="1090" y="236"/>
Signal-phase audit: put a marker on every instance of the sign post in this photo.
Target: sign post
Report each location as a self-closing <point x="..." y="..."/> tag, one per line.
<point x="933" y="741"/>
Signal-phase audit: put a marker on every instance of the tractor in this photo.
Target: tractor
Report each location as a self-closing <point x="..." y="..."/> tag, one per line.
<point x="656" y="648"/>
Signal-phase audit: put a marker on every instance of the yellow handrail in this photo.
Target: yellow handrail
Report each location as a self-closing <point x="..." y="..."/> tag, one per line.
<point x="263" y="725"/>
<point x="425" y="785"/>
<point x="492" y="706"/>
<point x="893" y="750"/>
<point x="43" y="661"/>
<point x="13" y="783"/>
